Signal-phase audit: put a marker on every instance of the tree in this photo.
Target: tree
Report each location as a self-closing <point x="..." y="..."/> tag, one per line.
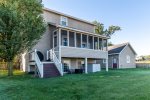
<point x="21" y="26"/>
<point x="102" y="31"/>
<point x="110" y="44"/>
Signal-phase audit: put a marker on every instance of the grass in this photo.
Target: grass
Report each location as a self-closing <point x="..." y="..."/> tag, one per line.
<point x="128" y="84"/>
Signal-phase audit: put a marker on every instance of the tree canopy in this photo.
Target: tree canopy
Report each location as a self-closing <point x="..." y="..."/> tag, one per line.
<point x="21" y="25"/>
<point x="102" y="31"/>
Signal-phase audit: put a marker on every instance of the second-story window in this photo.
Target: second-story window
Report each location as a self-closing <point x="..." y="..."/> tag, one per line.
<point x="64" y="21"/>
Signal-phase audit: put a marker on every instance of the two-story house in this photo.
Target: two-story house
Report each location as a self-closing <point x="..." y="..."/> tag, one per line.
<point x="68" y="45"/>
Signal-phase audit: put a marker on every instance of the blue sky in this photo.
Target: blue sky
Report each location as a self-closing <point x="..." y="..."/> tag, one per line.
<point x="133" y="16"/>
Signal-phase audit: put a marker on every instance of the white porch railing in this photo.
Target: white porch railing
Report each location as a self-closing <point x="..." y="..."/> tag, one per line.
<point x="38" y="63"/>
<point x="51" y="54"/>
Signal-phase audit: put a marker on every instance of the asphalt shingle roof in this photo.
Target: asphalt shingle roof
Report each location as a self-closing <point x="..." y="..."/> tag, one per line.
<point x="116" y="48"/>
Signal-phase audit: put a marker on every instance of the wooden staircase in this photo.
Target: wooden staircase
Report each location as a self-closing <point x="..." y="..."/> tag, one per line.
<point x="50" y="70"/>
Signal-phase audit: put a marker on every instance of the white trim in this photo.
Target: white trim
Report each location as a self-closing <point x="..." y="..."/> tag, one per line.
<point x="86" y="66"/>
<point x="75" y="39"/>
<point x="67" y="37"/>
<point x="59" y="38"/>
<point x="81" y="40"/>
<point x="107" y="65"/>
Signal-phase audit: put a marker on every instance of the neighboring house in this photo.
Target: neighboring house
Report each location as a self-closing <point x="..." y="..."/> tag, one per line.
<point x="69" y="44"/>
<point x="121" y="56"/>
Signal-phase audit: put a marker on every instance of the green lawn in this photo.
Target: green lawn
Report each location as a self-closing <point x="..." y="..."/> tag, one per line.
<point x="129" y="84"/>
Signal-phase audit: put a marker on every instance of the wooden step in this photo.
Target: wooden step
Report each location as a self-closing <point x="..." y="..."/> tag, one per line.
<point x="50" y="70"/>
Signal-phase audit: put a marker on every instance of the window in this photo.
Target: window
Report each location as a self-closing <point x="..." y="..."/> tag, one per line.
<point x="64" y="21"/>
<point x="95" y="43"/>
<point x="66" y="67"/>
<point x="128" y="59"/>
<point x="84" y="41"/>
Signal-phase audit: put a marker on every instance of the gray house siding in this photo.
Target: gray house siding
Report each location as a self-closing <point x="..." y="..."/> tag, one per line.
<point x="72" y="23"/>
<point x="123" y="58"/>
<point x="45" y="43"/>
<point x="83" y="53"/>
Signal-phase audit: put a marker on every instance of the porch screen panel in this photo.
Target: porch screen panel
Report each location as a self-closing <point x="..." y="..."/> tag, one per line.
<point x="55" y="39"/>
<point x="105" y="44"/>
<point x="64" y="39"/>
<point x="95" y="43"/>
<point x="78" y="40"/>
<point x="71" y="39"/>
<point x="84" y="41"/>
<point x="90" y="44"/>
<point x="100" y="44"/>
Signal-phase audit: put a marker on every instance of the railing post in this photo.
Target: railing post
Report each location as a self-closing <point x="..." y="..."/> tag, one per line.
<point x="53" y="55"/>
<point x="42" y="71"/>
<point x="47" y="55"/>
<point x="35" y="54"/>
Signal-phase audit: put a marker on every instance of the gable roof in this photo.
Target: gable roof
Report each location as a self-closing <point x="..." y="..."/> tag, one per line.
<point x="116" y="49"/>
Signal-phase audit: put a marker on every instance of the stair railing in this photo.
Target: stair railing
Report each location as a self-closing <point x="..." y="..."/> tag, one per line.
<point x="38" y="63"/>
<point x="51" y="54"/>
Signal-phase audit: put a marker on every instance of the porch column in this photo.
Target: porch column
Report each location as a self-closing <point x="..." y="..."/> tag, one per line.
<point x="107" y="65"/>
<point x="59" y="32"/>
<point x="81" y="40"/>
<point x="86" y="65"/>
<point x="87" y="41"/>
<point x="75" y="39"/>
<point x="68" y="38"/>
<point x="59" y="43"/>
